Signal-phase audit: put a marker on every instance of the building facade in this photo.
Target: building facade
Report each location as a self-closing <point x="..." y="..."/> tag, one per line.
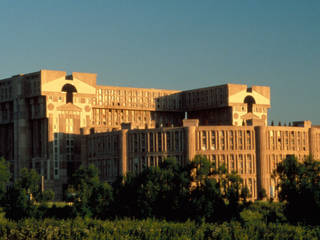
<point x="54" y="122"/>
<point x="251" y="151"/>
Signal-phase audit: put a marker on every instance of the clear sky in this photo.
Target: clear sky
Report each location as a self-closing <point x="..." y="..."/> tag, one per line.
<point x="173" y="44"/>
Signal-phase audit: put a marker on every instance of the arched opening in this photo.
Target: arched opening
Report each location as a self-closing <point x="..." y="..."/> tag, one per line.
<point x="69" y="89"/>
<point x="249" y="100"/>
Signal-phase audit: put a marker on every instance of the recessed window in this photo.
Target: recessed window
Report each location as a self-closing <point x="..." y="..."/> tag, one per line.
<point x="69" y="89"/>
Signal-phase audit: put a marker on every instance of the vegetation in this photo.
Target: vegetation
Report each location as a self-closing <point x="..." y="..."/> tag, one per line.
<point x="90" y="196"/>
<point x="150" y="229"/>
<point x="197" y="201"/>
<point x="299" y="187"/>
<point x="4" y="175"/>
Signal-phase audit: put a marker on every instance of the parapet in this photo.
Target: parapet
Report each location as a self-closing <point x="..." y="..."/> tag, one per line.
<point x="306" y="123"/>
<point x="190" y="122"/>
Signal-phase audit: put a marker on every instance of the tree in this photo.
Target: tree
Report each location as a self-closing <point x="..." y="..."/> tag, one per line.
<point x="299" y="186"/>
<point x="4" y="175"/>
<point x="17" y="203"/>
<point x="161" y="192"/>
<point x="202" y="169"/>
<point x="19" y="199"/>
<point x="29" y="180"/>
<point x="101" y="200"/>
<point x="207" y="202"/>
<point x="92" y="198"/>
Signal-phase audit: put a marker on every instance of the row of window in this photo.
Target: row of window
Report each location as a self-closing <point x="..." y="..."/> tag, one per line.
<point x="6" y="113"/>
<point x="206" y="97"/>
<point x="103" y="144"/>
<point x="317" y="142"/>
<point x="225" y="140"/>
<point x="287" y="140"/>
<point x="108" y="168"/>
<point x="61" y="98"/>
<point x="137" y="164"/>
<point x="157" y="141"/>
<point x="251" y="184"/>
<point x="56" y="155"/>
<point x="255" y="108"/>
<point x="240" y="163"/>
<point x="114" y="117"/>
<point x="137" y="98"/>
<point x="5" y="93"/>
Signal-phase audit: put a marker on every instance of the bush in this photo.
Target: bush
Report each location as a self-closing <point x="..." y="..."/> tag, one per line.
<point x="149" y="229"/>
<point x="267" y="212"/>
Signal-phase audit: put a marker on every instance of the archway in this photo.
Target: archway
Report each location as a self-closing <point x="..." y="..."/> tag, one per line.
<point x="249" y="100"/>
<point x="69" y="89"/>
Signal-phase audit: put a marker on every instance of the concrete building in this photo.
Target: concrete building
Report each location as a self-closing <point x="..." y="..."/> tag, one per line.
<point x="53" y="122"/>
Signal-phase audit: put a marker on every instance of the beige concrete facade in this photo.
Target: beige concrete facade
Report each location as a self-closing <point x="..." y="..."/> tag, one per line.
<point x="53" y="122"/>
<point x="251" y="151"/>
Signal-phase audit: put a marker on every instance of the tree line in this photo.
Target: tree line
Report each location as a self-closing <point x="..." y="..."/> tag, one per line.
<point x="198" y="191"/>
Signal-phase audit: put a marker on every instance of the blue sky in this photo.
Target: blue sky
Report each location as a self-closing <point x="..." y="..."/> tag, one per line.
<point x="173" y="44"/>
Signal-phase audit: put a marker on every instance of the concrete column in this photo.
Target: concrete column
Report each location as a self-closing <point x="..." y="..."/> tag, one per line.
<point x="22" y="138"/>
<point x="190" y="142"/>
<point x="263" y="177"/>
<point x="123" y="152"/>
<point x="190" y="126"/>
<point x="312" y="142"/>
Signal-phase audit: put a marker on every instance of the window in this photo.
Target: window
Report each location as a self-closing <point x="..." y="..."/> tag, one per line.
<point x="168" y="141"/>
<point x="249" y="140"/>
<point x="240" y="157"/>
<point x="249" y="100"/>
<point x="69" y="125"/>
<point x="69" y="89"/>
<point x="159" y="142"/>
<point x="176" y="141"/>
<point x="213" y="140"/>
<point x="249" y="160"/>
<point x="222" y="161"/>
<point x="151" y="142"/>
<point x="143" y="142"/>
<point x="221" y="140"/>
<point x="214" y="161"/>
<point x="204" y="140"/>
<point x="231" y="163"/>
<point x="135" y="142"/>
<point x="250" y="187"/>
<point x="231" y="144"/>
<point x="240" y="140"/>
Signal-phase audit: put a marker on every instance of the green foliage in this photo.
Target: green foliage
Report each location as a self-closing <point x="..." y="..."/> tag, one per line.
<point x="266" y="212"/>
<point x="91" y="197"/>
<point x="299" y="186"/>
<point x="4" y="175"/>
<point x="233" y="191"/>
<point x="29" y="180"/>
<point x="202" y="169"/>
<point x="100" y="201"/>
<point x="46" y="195"/>
<point x="19" y="200"/>
<point x="206" y="202"/>
<point x="196" y="191"/>
<point x="155" y="192"/>
<point x="125" y="229"/>
<point x="17" y="203"/>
